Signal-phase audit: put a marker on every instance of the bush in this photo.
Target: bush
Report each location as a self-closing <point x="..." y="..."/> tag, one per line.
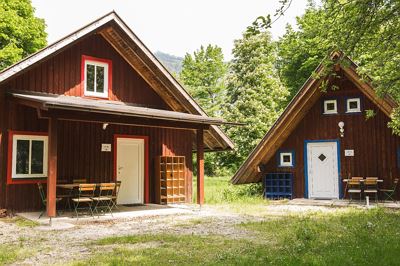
<point x="234" y="193"/>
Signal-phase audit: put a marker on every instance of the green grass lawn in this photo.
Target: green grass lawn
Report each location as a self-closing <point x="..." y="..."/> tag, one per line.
<point x="348" y="238"/>
<point x="220" y="193"/>
<point x="10" y="253"/>
<point x="354" y="237"/>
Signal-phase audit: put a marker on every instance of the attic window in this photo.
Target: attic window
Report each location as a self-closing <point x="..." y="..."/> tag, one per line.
<point x="353" y="105"/>
<point x="286" y="159"/>
<point x="96" y="76"/>
<point x="330" y="107"/>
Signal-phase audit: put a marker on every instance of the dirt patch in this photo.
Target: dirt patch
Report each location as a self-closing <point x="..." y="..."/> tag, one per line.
<point x="68" y="244"/>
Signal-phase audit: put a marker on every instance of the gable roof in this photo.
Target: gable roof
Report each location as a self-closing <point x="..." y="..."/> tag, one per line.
<point x="132" y="49"/>
<point x="302" y="102"/>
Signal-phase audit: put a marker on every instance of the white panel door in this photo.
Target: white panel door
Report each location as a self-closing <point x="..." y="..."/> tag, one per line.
<point x="130" y="170"/>
<point x="322" y="168"/>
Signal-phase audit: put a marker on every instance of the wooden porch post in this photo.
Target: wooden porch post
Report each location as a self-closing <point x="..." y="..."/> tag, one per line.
<point x="52" y="168"/>
<point x="200" y="167"/>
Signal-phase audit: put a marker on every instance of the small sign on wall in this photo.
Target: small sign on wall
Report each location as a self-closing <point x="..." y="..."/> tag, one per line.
<point x="105" y="147"/>
<point x="349" y="153"/>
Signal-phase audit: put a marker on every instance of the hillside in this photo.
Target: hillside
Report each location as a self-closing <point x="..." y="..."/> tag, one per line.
<point x="171" y="62"/>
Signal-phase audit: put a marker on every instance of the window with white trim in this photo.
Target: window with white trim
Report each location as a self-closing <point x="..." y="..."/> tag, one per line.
<point x="330" y="107"/>
<point x="286" y="159"/>
<point x="353" y="105"/>
<point x="29" y="156"/>
<point x="96" y="78"/>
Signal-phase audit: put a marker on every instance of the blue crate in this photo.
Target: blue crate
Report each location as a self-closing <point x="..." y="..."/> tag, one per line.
<point x="278" y="185"/>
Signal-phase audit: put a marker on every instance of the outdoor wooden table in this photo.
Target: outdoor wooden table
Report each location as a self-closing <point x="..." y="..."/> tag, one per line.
<point x="361" y="180"/>
<point x="68" y="186"/>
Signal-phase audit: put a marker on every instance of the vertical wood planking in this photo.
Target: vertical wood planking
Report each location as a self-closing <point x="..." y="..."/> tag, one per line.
<point x="200" y="166"/>
<point x="52" y="168"/>
<point x="61" y="74"/>
<point x="374" y="144"/>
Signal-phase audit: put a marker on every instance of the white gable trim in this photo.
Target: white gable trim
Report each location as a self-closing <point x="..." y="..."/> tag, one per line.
<point x="49" y="50"/>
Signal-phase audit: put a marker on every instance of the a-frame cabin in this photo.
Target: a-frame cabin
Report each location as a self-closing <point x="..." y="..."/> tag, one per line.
<point x="323" y="137"/>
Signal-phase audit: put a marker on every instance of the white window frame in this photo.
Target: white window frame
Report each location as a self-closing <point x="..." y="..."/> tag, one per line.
<point x="106" y="73"/>
<point x="14" y="155"/>
<point x="326" y="111"/>
<point x="353" y="110"/>
<point x="285" y="164"/>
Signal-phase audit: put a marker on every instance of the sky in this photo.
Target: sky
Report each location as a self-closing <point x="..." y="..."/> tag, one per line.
<point x="176" y="27"/>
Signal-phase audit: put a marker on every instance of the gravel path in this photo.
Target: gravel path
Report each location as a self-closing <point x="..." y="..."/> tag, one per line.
<point x="61" y="246"/>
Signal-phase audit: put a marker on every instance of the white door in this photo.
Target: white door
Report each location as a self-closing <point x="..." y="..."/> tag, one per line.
<point x="130" y="170"/>
<point x="322" y="168"/>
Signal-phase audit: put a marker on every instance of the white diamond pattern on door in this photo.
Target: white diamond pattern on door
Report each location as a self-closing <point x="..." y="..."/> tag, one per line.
<point x="130" y="170"/>
<point x="322" y="168"/>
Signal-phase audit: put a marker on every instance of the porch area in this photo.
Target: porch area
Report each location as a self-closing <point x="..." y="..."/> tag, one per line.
<point x="343" y="203"/>
<point x="67" y="219"/>
<point x="80" y="139"/>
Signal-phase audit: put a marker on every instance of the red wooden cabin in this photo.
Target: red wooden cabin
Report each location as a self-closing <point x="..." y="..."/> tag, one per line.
<point x="92" y="105"/>
<point x="324" y="137"/>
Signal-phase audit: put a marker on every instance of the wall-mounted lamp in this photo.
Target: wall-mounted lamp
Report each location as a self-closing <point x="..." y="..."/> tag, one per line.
<point x="341" y="128"/>
<point x="105" y="125"/>
<point x="261" y="168"/>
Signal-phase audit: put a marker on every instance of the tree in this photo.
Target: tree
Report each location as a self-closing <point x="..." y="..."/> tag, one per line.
<point x="255" y="95"/>
<point x="301" y="51"/>
<point x="21" y="33"/>
<point x="203" y="75"/>
<point x="366" y="30"/>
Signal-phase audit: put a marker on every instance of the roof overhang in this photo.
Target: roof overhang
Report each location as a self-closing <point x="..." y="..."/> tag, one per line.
<point x="306" y="97"/>
<point x="131" y="48"/>
<point x="61" y="102"/>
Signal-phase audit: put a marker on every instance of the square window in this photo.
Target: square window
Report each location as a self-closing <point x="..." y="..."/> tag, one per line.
<point x="330" y="107"/>
<point x="286" y="159"/>
<point x="96" y="77"/>
<point x="353" y="105"/>
<point x="29" y="156"/>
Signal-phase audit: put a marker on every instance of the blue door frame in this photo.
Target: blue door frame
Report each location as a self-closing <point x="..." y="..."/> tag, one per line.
<point x="306" y="165"/>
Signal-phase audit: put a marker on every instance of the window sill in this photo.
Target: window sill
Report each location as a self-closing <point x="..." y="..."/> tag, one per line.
<point x="330" y="113"/>
<point x="353" y="112"/>
<point x="22" y="181"/>
<point x="92" y="96"/>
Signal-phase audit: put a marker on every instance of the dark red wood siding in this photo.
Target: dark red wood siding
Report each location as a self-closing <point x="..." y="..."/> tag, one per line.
<point x="61" y="74"/>
<point x="80" y="156"/>
<point x="79" y="144"/>
<point x="374" y="145"/>
<point x="2" y="147"/>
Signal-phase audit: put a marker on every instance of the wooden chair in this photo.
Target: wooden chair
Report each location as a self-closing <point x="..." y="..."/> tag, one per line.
<point x="104" y="200"/>
<point x="64" y="197"/>
<point x="390" y="193"/>
<point x="354" y="187"/>
<point x="371" y="187"/>
<point x="115" y="195"/>
<point x="84" y="197"/>
<point x="43" y="198"/>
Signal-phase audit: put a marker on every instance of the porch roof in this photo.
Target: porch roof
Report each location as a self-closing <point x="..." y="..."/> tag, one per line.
<point x="50" y="101"/>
